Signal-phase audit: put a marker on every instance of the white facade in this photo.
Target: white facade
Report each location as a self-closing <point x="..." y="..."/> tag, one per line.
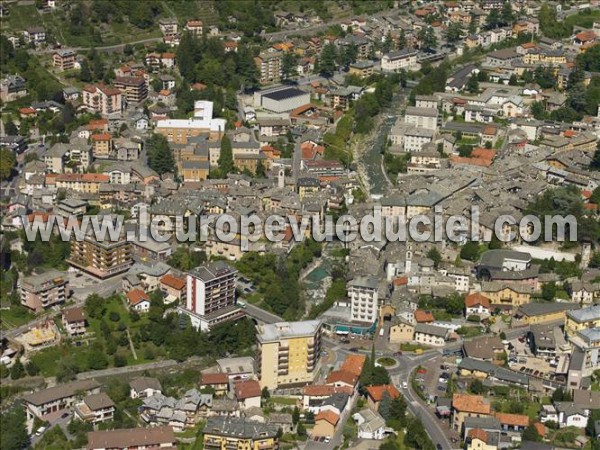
<point x="421" y="117"/>
<point x="396" y="61"/>
<point x="364" y="300"/>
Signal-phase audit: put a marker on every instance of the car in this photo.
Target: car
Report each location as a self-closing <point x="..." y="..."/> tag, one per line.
<point x="443" y="367"/>
<point x="422" y="371"/>
<point x="443" y="380"/>
<point x="404" y="385"/>
<point x="327" y="439"/>
<point x="398" y="354"/>
<point x="65" y="415"/>
<point x="438" y="446"/>
<point x="354" y="349"/>
<point x="324" y="353"/>
<point x="441" y="388"/>
<point x="40" y="431"/>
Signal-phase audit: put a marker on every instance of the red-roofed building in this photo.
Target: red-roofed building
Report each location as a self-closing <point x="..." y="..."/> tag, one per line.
<point x="422" y="316"/>
<point x="478" y="305"/>
<point x="102" y="99"/>
<point x="248" y="393"/>
<point x="585" y="37"/>
<point x="100" y="125"/>
<point x="194" y="26"/>
<point x="325" y="423"/>
<point x="354" y="364"/>
<point x="173" y="288"/>
<point x="342" y="378"/>
<point x="219" y="382"/>
<point x="102" y="145"/>
<point x="512" y="422"/>
<point x="81" y="182"/>
<point x="138" y="300"/>
<point x="27" y="112"/>
<point x="376" y="393"/>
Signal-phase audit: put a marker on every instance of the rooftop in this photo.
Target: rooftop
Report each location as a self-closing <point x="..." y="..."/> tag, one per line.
<point x="287" y="330"/>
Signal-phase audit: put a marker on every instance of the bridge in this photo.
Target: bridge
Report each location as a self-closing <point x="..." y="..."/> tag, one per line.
<point x="260" y="315"/>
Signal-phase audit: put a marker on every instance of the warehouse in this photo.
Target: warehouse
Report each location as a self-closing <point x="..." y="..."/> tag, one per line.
<point x="281" y="99"/>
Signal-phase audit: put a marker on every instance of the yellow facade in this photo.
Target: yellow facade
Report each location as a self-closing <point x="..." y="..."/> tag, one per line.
<point x="543" y="318"/>
<point x="508" y="297"/>
<point x="214" y="441"/>
<point x="401" y="332"/>
<point x="572" y="326"/>
<point x="478" y="444"/>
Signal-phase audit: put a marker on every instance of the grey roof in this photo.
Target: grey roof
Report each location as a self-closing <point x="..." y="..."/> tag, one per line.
<point x="499" y="373"/>
<point x="213" y="270"/>
<point x="495" y="258"/>
<point x="239" y="427"/>
<point x="417" y="111"/>
<point x="98" y="401"/>
<point x="338" y="400"/>
<point x="143" y="383"/>
<point x="372" y="420"/>
<point x="585" y="314"/>
<point x="59" y="392"/>
<point x="483" y="423"/>
<point x="431" y="330"/>
<point x="367" y="282"/>
<point x="540" y="309"/>
<point x="288" y="330"/>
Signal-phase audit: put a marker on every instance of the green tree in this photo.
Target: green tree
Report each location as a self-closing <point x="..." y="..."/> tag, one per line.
<point x="435" y="255"/>
<point x="32" y="369"/>
<point x="507" y="15"/>
<point x="427" y="37"/>
<point x="476" y="387"/>
<point x="14" y="432"/>
<point x="493" y="19"/>
<point x="327" y="60"/>
<point x="17" y="370"/>
<point x="385" y="406"/>
<point x="226" y="156"/>
<point x="10" y="129"/>
<point x="85" y="73"/>
<point x="470" y="251"/>
<point x="301" y="429"/>
<point x="549" y="291"/>
<point x="513" y="80"/>
<point x="160" y="156"/>
<point x="402" y="40"/>
<point x="7" y="163"/>
<point x="473" y="84"/>
<point x="595" y="260"/>
<point x="531" y="434"/>
<point x="265" y="394"/>
<point x="288" y="65"/>
<point x="453" y="32"/>
<point x="295" y="415"/>
<point x="538" y="110"/>
<point x="595" y="162"/>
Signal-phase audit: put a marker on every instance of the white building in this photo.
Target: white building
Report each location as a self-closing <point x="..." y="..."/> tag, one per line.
<point x="421" y="117"/>
<point x="364" y="299"/>
<point x="395" y="61"/>
<point x="431" y="335"/>
<point x="370" y="424"/>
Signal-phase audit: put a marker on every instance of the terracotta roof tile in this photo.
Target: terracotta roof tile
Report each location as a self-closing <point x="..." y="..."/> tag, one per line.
<point x="471" y="403"/>
<point x="376" y="392"/>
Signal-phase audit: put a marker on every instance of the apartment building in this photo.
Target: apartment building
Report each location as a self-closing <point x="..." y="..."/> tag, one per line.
<point x="41" y="291"/>
<point x="101" y="259"/>
<point x="421" y="117"/>
<point x="134" y="89"/>
<point x="45" y="401"/>
<point x="467" y="405"/>
<point x="239" y="433"/>
<point x="581" y="319"/>
<point x="81" y="182"/>
<point x="64" y="59"/>
<point x="395" y="61"/>
<point x="73" y="320"/>
<point x="288" y="353"/>
<point x="178" y="131"/>
<point x="102" y="99"/>
<point x="194" y="27"/>
<point x="269" y="65"/>
<point x="364" y="300"/>
<point x="210" y="295"/>
<point x="95" y="409"/>
<point x="102" y="145"/>
<point x="587" y="348"/>
<point x="155" y="438"/>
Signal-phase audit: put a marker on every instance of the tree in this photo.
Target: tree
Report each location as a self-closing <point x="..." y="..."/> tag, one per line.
<point x="10" y="129"/>
<point x="435" y="255"/>
<point x="160" y="156"/>
<point x="7" y="163"/>
<point x="595" y="260"/>
<point x="531" y="434"/>
<point x="507" y="15"/>
<point x="427" y="37"/>
<point x="17" y="370"/>
<point x="85" y="74"/>
<point x="476" y="387"/>
<point x="265" y="394"/>
<point x="561" y="395"/>
<point x="595" y="163"/>
<point x="301" y="430"/>
<point x="453" y="32"/>
<point x="538" y="110"/>
<point x="226" y="156"/>
<point x="493" y="19"/>
<point x="402" y="40"/>
<point x="14" y="432"/>
<point x="288" y="65"/>
<point x="327" y="60"/>
<point x="549" y="291"/>
<point x="385" y="405"/>
<point x="470" y="251"/>
<point x="32" y="369"/>
<point x="473" y="84"/>
<point x="295" y="415"/>
<point x="513" y="80"/>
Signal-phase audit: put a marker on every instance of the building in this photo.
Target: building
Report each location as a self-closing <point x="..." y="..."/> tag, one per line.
<point x="64" y="59"/>
<point x="41" y="291"/>
<point x="210" y="295"/>
<point x="467" y="405"/>
<point x="281" y="99"/>
<point x="587" y="350"/>
<point x="194" y="27"/>
<point x="73" y="320"/>
<point x="478" y="439"/>
<point x="101" y="259"/>
<point x="95" y="409"/>
<point x="507" y="296"/>
<point x="362" y="69"/>
<point x="178" y="131"/>
<point x="431" y="334"/>
<point x="144" y="387"/>
<point x="395" y="61"/>
<point x="477" y="305"/>
<point x="364" y="299"/>
<point x="288" y="353"/>
<point x="102" y="99"/>
<point x="102" y="145"/>
<point x="325" y="423"/>
<point x="134" y="89"/>
<point x="401" y="331"/>
<point x="138" y="300"/>
<point x="270" y="67"/>
<point x="161" y="437"/>
<point x="376" y="393"/>
<point x="239" y="433"/>
<point x="12" y="87"/>
<point x="46" y="401"/>
<point x="370" y="425"/>
<point x="581" y="319"/>
<point x="219" y="382"/>
<point x="247" y="393"/>
<point x="35" y="35"/>
<point x="421" y="117"/>
<point x="536" y="313"/>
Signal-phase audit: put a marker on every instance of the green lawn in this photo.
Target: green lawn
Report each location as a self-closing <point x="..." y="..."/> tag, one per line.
<point x="584" y="19"/>
<point x="15" y="316"/>
<point x="387" y="362"/>
<point x="284" y="400"/>
<point x="410" y="347"/>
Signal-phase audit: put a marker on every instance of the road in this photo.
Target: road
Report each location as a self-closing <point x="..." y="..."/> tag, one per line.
<point x="107" y="48"/>
<point x="261" y="315"/>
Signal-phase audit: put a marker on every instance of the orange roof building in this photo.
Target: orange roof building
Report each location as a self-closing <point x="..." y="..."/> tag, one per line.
<point x="247" y="389"/>
<point x="476" y="299"/>
<point x="376" y="392"/>
<point x="422" y="316"/>
<point x="173" y="282"/>
<point x="328" y="416"/>
<point x="512" y="420"/>
<point x="354" y="364"/>
<point x="137" y="296"/>
<point x="342" y="376"/>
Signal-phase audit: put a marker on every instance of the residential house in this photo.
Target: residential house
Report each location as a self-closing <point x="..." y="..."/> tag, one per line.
<point x="64" y="59"/>
<point x="477" y="305"/>
<point x="219" y="382"/>
<point x="395" y="61"/>
<point x="162" y="438"/>
<point x="370" y="425"/>
<point x="467" y="405"/>
<point x="325" y="424"/>
<point x="42" y="291"/>
<point x="248" y="393"/>
<point x="95" y="409"/>
<point x="431" y="335"/>
<point x="376" y="393"/>
<point x="73" y="320"/>
<point x="233" y="432"/>
<point x="143" y="387"/>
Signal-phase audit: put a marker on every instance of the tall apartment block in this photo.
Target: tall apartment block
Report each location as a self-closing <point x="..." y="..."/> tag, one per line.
<point x="288" y="353"/>
<point x="210" y="295"/>
<point x="364" y="299"/>
<point x="42" y="291"/>
<point x="102" y="259"/>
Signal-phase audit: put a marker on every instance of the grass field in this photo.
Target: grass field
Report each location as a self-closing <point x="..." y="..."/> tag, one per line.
<point x="15" y="317"/>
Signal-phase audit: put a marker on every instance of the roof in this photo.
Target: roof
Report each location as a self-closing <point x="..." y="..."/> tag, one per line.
<point x="477" y="299"/>
<point x="372" y="421"/>
<point x="173" y="282"/>
<point x="239" y="427"/>
<point x="417" y="111"/>
<point x="132" y="437"/>
<point x="136" y="296"/>
<point x="73" y="315"/>
<point x="328" y="416"/>
<point x="98" y="401"/>
<point x="422" y="316"/>
<point x="483" y="347"/>
<point x="432" y="330"/>
<point x="478" y="433"/>
<point x="59" y="392"/>
<point x="376" y="392"/>
<point x="541" y="309"/>
<point x="325" y="390"/>
<point x="143" y="383"/>
<point x="471" y="403"/>
<point x="343" y="376"/>
<point x="512" y="419"/>
<point x="284" y="94"/>
<point x="354" y="364"/>
<point x="247" y="389"/>
<point x="288" y="330"/>
<point x="212" y="270"/>
<point x="214" y="378"/>
<point x="495" y="258"/>
<point x="585" y="314"/>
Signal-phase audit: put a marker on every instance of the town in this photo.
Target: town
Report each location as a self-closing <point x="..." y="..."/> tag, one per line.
<point x="159" y="114"/>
